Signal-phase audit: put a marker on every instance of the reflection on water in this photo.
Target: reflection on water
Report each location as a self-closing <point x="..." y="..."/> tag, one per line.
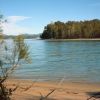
<point x="52" y="60"/>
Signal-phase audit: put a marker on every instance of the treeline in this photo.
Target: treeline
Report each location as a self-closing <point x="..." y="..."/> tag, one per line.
<point x="72" y="30"/>
<point x="26" y="36"/>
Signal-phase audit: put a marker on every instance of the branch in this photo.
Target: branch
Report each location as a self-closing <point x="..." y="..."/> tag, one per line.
<point x="27" y="88"/>
<point x="44" y="98"/>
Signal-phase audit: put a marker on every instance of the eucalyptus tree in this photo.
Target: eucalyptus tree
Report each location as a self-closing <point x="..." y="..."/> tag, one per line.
<point x="72" y="29"/>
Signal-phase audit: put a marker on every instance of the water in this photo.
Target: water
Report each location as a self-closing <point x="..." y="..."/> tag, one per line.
<point x="52" y="60"/>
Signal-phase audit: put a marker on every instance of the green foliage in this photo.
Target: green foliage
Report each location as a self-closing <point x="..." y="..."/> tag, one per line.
<point x="2" y="20"/>
<point x="22" y="48"/>
<point x="1" y="37"/>
<point x="10" y="58"/>
<point x="72" y="29"/>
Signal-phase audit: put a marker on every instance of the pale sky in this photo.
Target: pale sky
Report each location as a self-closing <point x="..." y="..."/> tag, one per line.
<point x="30" y="16"/>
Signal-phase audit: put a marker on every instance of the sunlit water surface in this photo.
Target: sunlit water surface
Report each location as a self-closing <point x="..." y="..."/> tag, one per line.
<point x="53" y="60"/>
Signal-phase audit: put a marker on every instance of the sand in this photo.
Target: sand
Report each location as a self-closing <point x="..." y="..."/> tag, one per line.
<point x="29" y="90"/>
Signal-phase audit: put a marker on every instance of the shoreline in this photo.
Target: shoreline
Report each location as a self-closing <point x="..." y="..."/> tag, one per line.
<point x="80" y="39"/>
<point x="64" y="90"/>
<point x="56" y="81"/>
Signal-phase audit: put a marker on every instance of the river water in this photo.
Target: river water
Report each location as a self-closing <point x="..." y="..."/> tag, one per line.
<point x="53" y="60"/>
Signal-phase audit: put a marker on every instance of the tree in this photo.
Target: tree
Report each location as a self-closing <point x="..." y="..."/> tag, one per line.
<point x="72" y="29"/>
<point x="10" y="58"/>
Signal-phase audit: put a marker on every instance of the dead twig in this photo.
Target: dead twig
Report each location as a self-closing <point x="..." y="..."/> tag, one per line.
<point x="26" y="88"/>
<point x="44" y="98"/>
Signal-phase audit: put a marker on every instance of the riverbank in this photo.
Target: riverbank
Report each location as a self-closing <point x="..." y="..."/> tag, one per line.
<point x="80" y="39"/>
<point x="29" y="90"/>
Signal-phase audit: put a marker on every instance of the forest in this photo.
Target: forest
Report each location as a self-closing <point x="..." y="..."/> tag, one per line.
<point x="72" y="30"/>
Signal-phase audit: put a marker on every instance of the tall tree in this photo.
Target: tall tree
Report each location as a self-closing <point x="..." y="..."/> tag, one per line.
<point x="72" y="29"/>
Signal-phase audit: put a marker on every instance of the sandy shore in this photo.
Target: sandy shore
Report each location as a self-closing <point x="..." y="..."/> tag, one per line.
<point x="29" y="90"/>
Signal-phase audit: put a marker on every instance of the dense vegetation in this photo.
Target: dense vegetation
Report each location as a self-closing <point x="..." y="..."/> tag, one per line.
<point x="72" y="29"/>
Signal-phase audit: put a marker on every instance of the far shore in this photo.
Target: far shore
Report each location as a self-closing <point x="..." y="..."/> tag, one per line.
<point x="80" y="39"/>
<point x="30" y="90"/>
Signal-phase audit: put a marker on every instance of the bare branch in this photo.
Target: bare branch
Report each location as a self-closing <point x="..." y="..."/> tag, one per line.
<point x="27" y="88"/>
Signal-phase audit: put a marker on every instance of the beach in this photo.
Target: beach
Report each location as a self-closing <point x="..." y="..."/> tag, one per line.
<point x="34" y="90"/>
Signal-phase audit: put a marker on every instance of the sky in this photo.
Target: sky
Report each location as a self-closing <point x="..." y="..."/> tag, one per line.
<point x="31" y="16"/>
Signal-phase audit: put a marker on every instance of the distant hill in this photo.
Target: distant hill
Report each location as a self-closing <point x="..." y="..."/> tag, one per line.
<point x="26" y="36"/>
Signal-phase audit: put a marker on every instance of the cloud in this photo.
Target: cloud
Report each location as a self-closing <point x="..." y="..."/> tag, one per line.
<point x="14" y="19"/>
<point x="12" y="27"/>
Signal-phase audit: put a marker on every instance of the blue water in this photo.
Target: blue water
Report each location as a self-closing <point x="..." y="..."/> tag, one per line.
<point x="52" y="60"/>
